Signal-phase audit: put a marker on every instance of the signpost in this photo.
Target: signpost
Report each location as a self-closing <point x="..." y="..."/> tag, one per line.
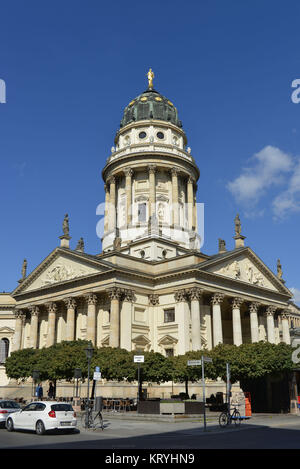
<point x="198" y="363"/>
<point x="228" y="386"/>
<point x="138" y="359"/>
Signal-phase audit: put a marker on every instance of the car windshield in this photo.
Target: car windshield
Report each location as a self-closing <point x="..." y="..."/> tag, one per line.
<point x="61" y="407"/>
<point x="9" y="405"/>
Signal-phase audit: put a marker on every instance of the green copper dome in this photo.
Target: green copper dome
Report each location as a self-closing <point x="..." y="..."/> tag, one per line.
<point x="150" y="105"/>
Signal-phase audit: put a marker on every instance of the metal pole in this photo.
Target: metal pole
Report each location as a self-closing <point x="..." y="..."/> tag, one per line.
<point x="228" y="385"/>
<point x="138" y="394"/>
<point x="88" y="394"/>
<point x="203" y="389"/>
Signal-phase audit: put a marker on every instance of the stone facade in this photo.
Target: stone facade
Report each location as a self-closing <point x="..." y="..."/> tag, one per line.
<point x="151" y="287"/>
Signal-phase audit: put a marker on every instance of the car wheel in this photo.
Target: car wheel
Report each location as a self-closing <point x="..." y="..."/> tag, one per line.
<point x="40" y="428"/>
<point x="9" y="425"/>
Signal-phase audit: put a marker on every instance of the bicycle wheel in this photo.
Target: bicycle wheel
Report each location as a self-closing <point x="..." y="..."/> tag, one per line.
<point x="223" y="419"/>
<point x="86" y="420"/>
<point x="237" y="418"/>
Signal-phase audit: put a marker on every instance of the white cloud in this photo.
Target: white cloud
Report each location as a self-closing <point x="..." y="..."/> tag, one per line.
<point x="288" y="201"/>
<point x="296" y="293"/>
<point x="268" y="168"/>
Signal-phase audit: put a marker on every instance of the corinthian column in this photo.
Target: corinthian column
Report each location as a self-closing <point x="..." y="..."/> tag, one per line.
<point x="254" y="321"/>
<point x="106" y="210"/>
<point x="217" y="318"/>
<point x="195" y="296"/>
<point x="128" y="187"/>
<point x="270" y="324"/>
<point x="91" y="317"/>
<point x="71" y="305"/>
<point x="112" y="204"/>
<point x="152" y="189"/>
<point x="236" y="321"/>
<point x="20" y="316"/>
<point x="285" y="327"/>
<point x="175" y="205"/>
<point x="190" y="194"/>
<point x="52" y="309"/>
<point x="126" y="320"/>
<point x="182" y="317"/>
<point x="34" y="311"/>
<point x="115" y="295"/>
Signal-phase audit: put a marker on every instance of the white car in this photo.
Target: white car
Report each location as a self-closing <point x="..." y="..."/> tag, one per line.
<point x="42" y="416"/>
<point x="7" y="406"/>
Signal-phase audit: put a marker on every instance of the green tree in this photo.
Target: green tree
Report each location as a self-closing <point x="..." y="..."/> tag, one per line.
<point x="21" y="363"/>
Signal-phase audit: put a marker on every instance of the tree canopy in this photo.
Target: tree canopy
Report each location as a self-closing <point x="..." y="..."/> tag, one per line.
<point x="247" y="361"/>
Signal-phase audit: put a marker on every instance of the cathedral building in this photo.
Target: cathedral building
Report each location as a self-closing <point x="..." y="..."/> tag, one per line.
<point x="151" y="287"/>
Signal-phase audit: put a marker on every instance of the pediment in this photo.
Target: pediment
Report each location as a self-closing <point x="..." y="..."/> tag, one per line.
<point x="141" y="340"/>
<point x="245" y="266"/>
<point x="60" y="266"/>
<point x="167" y="340"/>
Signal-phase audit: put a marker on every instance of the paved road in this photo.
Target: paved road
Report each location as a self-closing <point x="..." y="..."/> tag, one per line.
<point x="261" y="432"/>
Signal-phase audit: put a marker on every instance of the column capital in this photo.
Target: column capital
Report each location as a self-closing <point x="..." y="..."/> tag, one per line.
<point x="270" y="311"/>
<point x="19" y="314"/>
<point x="128" y="295"/>
<point x="217" y="298"/>
<point x="91" y="298"/>
<point x="253" y="307"/>
<point x="128" y="171"/>
<point x="180" y="295"/>
<point x="153" y="299"/>
<point x="151" y="168"/>
<point x="114" y="293"/>
<point x="106" y="187"/>
<point x="285" y="314"/>
<point x="51" y="307"/>
<point x="190" y="180"/>
<point x="34" y="310"/>
<point x="195" y="293"/>
<point x="174" y="171"/>
<point x="237" y="302"/>
<point x="70" y="302"/>
<point x="111" y="180"/>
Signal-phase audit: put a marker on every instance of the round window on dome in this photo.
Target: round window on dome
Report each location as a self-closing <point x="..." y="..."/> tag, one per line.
<point x="160" y="135"/>
<point x="142" y="135"/>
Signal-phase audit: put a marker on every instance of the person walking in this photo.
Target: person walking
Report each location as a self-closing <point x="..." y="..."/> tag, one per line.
<point x="51" y="390"/>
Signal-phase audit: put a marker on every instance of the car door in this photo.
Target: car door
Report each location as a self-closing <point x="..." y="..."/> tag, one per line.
<point x="25" y="418"/>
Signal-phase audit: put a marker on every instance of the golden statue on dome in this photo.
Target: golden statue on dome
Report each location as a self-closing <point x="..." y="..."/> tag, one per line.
<point x="150" y="76"/>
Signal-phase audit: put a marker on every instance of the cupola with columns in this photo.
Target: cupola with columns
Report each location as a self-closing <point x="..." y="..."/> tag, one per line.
<point x="150" y="182"/>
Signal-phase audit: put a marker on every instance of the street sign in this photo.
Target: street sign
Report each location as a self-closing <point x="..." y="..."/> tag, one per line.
<point x="138" y="358"/>
<point x="194" y="362"/>
<point x="97" y="376"/>
<point x="97" y="368"/>
<point x="207" y="359"/>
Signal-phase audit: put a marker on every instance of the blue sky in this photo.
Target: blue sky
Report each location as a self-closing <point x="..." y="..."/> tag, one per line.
<point x="71" y="67"/>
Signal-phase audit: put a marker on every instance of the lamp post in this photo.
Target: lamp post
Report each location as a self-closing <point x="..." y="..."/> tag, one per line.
<point x="89" y="353"/>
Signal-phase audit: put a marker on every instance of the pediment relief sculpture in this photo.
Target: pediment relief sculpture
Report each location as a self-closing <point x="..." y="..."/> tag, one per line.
<point x="61" y="272"/>
<point x="245" y="271"/>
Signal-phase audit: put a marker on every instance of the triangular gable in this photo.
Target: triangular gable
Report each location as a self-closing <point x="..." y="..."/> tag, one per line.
<point x="244" y="265"/>
<point x="60" y="266"/>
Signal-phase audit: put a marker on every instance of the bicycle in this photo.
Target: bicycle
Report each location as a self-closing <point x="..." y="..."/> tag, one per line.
<point x="226" y="418"/>
<point x="89" y="420"/>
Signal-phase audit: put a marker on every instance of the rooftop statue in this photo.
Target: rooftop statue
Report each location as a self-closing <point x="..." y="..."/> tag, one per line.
<point x="24" y="269"/>
<point x="237" y="224"/>
<point x="279" y="269"/>
<point x="150" y="76"/>
<point x="66" y="229"/>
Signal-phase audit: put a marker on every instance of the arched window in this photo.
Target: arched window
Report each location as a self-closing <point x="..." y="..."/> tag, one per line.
<point x="4" y="347"/>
